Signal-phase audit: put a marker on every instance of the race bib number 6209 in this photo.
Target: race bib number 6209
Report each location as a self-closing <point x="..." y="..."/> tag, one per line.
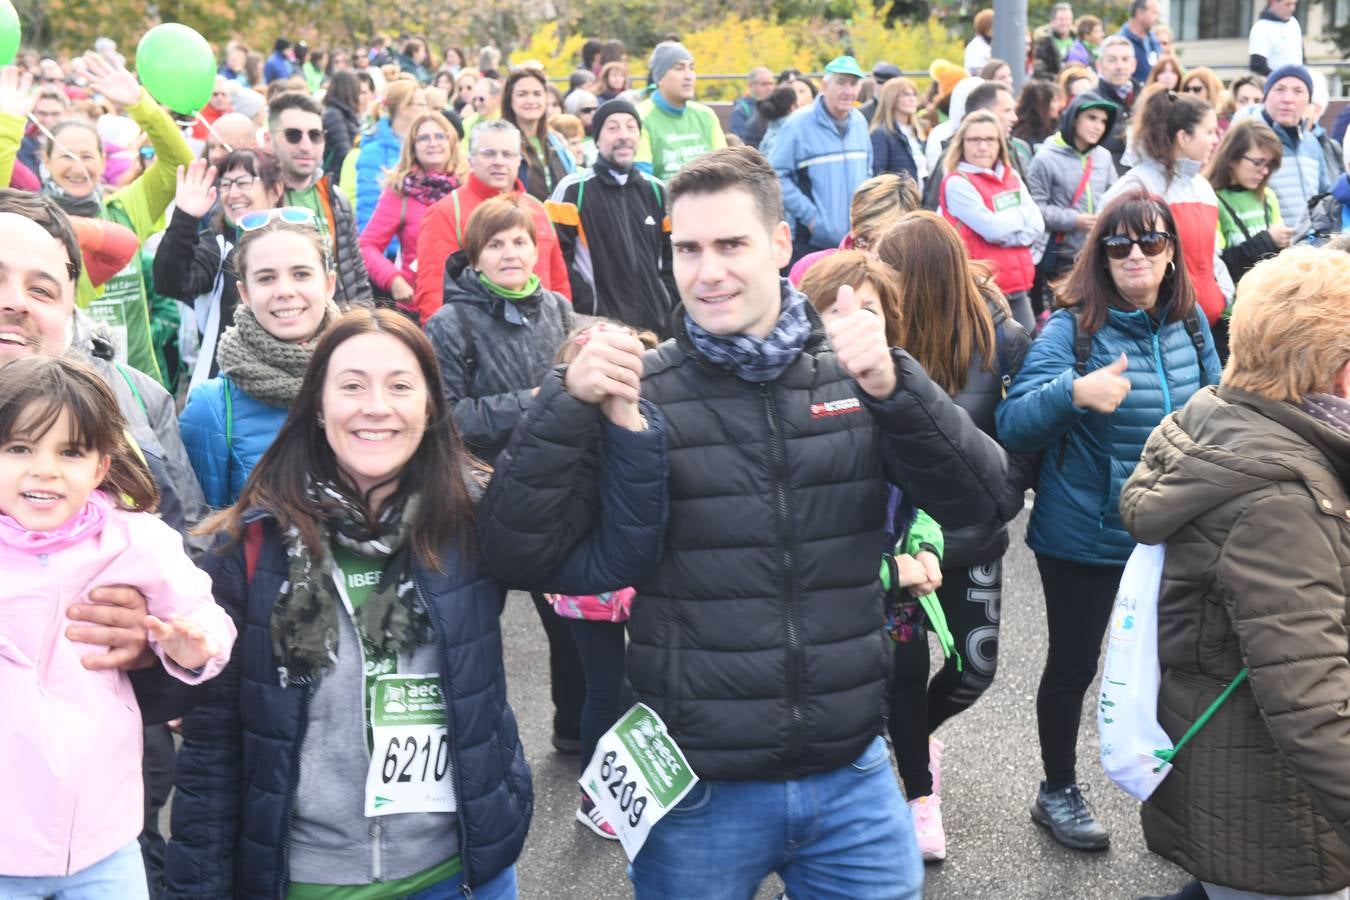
<point x="637" y="774"/>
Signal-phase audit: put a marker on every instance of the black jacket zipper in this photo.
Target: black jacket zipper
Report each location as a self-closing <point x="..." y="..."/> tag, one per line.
<point x="778" y="472"/>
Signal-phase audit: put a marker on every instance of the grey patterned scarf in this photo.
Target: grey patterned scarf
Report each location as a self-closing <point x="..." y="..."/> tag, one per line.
<point x="261" y="364"/>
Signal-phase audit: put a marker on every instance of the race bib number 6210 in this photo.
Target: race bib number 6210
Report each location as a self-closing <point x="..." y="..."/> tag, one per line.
<point x="410" y="758"/>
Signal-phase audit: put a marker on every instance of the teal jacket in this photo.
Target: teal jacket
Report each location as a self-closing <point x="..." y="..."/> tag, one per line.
<point x="1088" y="455"/>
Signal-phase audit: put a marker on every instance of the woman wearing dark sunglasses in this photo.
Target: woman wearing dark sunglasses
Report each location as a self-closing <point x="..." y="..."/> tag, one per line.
<point x="1174" y="136"/>
<point x="1128" y="351"/>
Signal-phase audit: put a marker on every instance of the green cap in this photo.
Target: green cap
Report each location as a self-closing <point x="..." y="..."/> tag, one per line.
<point x="845" y="65"/>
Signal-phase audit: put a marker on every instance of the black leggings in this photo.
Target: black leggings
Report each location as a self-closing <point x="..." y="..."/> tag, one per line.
<point x="601" y="645"/>
<point x="567" y="681"/>
<point x="1078" y="603"/>
<point x="970" y="599"/>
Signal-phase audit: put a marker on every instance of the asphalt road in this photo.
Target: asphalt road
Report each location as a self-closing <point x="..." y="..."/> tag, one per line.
<point x="991" y="767"/>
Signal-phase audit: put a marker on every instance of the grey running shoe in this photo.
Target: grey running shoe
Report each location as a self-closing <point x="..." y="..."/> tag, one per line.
<point x="1066" y="814"/>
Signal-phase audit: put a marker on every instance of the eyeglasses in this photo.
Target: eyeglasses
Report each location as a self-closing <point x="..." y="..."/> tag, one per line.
<point x="439" y="137"/>
<point x="1120" y="246"/>
<point x="1195" y="89"/>
<point x="243" y="183"/>
<point x="1261" y="164"/>
<point x="261" y="218"/>
<point x="980" y="140"/>
<point x="491" y="155"/>
<point x="296" y="135"/>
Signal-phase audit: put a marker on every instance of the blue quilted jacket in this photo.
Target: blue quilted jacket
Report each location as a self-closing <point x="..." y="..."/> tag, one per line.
<point x="238" y="769"/>
<point x="222" y="467"/>
<point x="1089" y="455"/>
<point x="380" y="148"/>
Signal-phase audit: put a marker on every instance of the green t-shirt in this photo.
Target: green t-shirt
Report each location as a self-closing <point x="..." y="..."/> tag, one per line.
<point x="309" y="199"/>
<point x="360" y="575"/>
<point x="386" y="890"/>
<point x="669" y="140"/>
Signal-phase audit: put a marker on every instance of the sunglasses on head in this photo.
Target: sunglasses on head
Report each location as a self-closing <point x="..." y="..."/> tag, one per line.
<point x="261" y="218"/>
<point x="1151" y="243"/>
<point x="296" y="135"/>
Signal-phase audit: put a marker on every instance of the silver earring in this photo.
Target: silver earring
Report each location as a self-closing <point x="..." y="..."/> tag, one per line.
<point x="320" y="419"/>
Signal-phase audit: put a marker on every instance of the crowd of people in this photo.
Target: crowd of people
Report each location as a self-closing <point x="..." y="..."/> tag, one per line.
<point x="296" y="389"/>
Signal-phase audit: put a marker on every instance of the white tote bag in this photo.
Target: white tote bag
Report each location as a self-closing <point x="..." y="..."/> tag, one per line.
<point x="1127" y="716"/>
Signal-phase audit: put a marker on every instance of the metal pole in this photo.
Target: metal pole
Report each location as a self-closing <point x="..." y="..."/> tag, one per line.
<point x="1010" y="29"/>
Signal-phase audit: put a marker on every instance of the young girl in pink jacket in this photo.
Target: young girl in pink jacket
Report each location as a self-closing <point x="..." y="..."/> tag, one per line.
<point x="75" y="501"/>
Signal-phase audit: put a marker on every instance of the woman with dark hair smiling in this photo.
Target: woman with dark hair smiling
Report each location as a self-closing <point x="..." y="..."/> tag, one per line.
<point x="351" y="565"/>
<point x="1130" y="349"/>
<point x="544" y="157"/>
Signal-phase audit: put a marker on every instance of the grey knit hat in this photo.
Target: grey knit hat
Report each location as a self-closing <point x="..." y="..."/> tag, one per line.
<point x="665" y="57"/>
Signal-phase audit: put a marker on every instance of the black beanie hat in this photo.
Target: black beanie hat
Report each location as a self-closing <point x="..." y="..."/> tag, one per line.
<point x="609" y="108"/>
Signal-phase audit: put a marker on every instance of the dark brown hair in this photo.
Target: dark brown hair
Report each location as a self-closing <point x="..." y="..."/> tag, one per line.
<point x="437" y="470"/>
<point x="946" y="319"/>
<point x="732" y="168"/>
<point x="1159" y="115"/>
<point x="33" y="392"/>
<point x="1089" y="284"/>
<point x="43" y="210"/>
<point x="854" y="268"/>
<point x="1035" y="122"/>
<point x="491" y="218"/>
<point x="1241" y="139"/>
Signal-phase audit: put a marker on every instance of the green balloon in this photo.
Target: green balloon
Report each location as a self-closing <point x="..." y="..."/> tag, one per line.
<point x="176" y="66"/>
<point x="9" y="32"/>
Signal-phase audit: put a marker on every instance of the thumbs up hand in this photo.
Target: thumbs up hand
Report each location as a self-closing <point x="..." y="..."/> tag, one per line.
<point x="859" y="339"/>
<point x="1103" y="390"/>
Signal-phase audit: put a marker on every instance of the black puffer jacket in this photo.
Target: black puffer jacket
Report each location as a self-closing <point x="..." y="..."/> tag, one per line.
<point x="980" y="542"/>
<point x="493" y="353"/>
<point x="353" y="281"/>
<point x="341" y="128"/>
<point x="757" y="633"/>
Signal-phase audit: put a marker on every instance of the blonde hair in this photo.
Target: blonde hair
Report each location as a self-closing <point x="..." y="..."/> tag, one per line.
<point x="569" y="126"/>
<point x="888" y="104"/>
<point x="398" y="94"/>
<point x="457" y="164"/>
<point x="879" y="202"/>
<point x="1290" y="330"/>
<point x="956" y="150"/>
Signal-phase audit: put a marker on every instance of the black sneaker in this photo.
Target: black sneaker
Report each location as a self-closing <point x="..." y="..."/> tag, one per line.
<point x="568" y="746"/>
<point x="1066" y="814"/>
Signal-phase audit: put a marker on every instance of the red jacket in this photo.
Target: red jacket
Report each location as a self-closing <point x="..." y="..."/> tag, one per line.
<point x="442" y="230"/>
<point x="208" y="115"/>
<point x="1013" y="269"/>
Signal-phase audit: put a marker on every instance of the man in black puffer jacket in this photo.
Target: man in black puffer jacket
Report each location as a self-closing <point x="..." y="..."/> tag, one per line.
<point x="757" y="634"/>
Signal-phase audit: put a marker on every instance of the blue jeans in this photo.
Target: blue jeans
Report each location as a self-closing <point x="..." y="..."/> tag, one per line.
<point x="117" y="877"/>
<point x="503" y="887"/>
<point x="842" y="834"/>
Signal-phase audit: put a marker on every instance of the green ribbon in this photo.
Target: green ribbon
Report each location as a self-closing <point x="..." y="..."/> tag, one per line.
<point x="1168" y="755"/>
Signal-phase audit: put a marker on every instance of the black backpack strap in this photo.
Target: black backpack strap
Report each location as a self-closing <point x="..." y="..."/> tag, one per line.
<point x="1082" y="349"/>
<point x="1082" y="342"/>
<point x="1198" y="340"/>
